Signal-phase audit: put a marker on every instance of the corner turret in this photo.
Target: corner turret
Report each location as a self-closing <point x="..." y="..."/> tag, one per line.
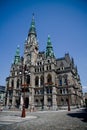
<point x="49" y="48"/>
<point x="17" y="56"/>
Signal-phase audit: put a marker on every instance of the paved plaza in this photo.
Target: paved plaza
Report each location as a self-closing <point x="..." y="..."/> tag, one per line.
<point x="44" y="120"/>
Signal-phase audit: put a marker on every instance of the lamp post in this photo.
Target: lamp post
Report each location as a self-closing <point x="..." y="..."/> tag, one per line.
<point x="23" y="73"/>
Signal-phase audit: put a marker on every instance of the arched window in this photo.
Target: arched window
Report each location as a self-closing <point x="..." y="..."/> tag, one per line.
<point x="62" y="101"/>
<point x="49" y="67"/>
<point x="65" y="79"/>
<point x="17" y="83"/>
<point x="49" y="78"/>
<point x="37" y="81"/>
<point x="60" y="80"/>
<point x="12" y="83"/>
<point x="60" y="91"/>
<point x="28" y="79"/>
<point x="35" y="69"/>
<point x="42" y="80"/>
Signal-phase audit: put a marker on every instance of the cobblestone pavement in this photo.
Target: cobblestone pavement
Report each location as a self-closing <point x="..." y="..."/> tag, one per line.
<point x="46" y="120"/>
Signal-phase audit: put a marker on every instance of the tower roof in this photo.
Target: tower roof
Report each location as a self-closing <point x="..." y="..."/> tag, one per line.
<point x="49" y="48"/>
<point x="17" y="55"/>
<point x="32" y="29"/>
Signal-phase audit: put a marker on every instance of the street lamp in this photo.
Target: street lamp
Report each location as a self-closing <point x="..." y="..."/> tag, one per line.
<point x="23" y="73"/>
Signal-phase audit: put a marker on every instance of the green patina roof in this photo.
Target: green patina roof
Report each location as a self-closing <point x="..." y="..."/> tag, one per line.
<point x="49" y="48"/>
<point x="17" y="56"/>
<point x="32" y="27"/>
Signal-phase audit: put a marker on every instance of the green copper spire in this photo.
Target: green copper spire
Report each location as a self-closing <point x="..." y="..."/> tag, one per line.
<point x="32" y="27"/>
<point x="17" y="56"/>
<point x="49" y="48"/>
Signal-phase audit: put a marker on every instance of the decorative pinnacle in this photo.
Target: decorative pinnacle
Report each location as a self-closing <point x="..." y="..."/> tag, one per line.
<point x="17" y="56"/>
<point x="49" y="48"/>
<point x="49" y="38"/>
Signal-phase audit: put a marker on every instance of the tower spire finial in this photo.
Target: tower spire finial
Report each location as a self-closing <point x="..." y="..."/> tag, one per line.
<point x="32" y="27"/>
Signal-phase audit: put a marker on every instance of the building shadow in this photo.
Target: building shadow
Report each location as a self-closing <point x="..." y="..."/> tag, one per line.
<point x="82" y="114"/>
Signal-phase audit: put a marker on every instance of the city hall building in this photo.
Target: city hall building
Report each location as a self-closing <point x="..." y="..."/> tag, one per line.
<point x="40" y="81"/>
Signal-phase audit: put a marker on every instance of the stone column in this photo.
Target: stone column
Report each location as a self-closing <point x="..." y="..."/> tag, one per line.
<point x="39" y="81"/>
<point x="30" y="101"/>
<point x="33" y="105"/>
<point x="32" y="82"/>
<point x="7" y="102"/>
<point x="45" y="100"/>
<point x="21" y="102"/>
<point x="13" y="98"/>
<point x="55" y="107"/>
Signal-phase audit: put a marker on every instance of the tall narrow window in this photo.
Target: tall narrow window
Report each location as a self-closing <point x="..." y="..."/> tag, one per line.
<point x="42" y="80"/>
<point x="60" y="91"/>
<point x="49" y="79"/>
<point x="28" y="79"/>
<point x="18" y="83"/>
<point x="65" y="81"/>
<point x="37" y="81"/>
<point x="62" y="101"/>
<point x="60" y="82"/>
<point x="49" y="67"/>
<point x="12" y="83"/>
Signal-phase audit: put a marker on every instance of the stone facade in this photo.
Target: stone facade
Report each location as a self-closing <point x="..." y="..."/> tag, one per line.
<point x="2" y="95"/>
<point x="40" y="80"/>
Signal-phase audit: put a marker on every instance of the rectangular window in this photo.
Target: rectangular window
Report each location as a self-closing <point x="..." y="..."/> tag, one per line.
<point x="65" y="81"/>
<point x="60" y="82"/>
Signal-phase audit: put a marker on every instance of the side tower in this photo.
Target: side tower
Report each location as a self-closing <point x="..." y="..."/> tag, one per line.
<point x="12" y="99"/>
<point x="50" y="94"/>
<point x="21" y="78"/>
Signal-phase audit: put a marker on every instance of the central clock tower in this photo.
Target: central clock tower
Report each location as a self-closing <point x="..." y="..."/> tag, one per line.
<point x="31" y="45"/>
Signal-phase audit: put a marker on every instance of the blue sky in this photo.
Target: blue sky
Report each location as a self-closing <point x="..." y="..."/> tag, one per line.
<point x="64" y="20"/>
